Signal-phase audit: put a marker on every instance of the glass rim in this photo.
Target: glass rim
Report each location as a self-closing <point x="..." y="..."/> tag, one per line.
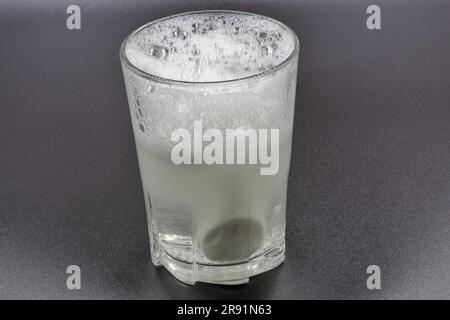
<point x="137" y="71"/>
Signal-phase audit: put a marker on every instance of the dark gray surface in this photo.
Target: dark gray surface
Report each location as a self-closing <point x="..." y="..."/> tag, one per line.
<point x="370" y="175"/>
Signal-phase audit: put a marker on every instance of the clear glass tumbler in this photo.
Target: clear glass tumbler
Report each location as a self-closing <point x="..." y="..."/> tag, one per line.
<point x="213" y="74"/>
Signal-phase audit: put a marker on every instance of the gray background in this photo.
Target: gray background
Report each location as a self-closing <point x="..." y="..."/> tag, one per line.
<point x="370" y="175"/>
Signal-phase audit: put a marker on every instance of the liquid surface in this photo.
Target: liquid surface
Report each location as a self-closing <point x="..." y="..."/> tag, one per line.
<point x="210" y="46"/>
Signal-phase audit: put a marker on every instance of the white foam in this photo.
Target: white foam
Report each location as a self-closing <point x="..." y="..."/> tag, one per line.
<point x="209" y="46"/>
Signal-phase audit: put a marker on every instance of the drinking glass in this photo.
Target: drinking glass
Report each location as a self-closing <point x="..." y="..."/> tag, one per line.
<point x="215" y="223"/>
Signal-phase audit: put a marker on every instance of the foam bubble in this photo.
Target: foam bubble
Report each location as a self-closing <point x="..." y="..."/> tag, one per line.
<point x="209" y="46"/>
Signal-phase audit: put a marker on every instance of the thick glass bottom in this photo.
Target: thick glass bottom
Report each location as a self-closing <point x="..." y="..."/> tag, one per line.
<point x="226" y="274"/>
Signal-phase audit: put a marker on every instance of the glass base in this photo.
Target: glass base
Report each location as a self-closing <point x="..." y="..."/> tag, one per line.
<point x="230" y="274"/>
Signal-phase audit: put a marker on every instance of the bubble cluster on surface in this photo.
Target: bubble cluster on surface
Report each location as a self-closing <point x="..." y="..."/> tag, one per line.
<point x="209" y="46"/>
